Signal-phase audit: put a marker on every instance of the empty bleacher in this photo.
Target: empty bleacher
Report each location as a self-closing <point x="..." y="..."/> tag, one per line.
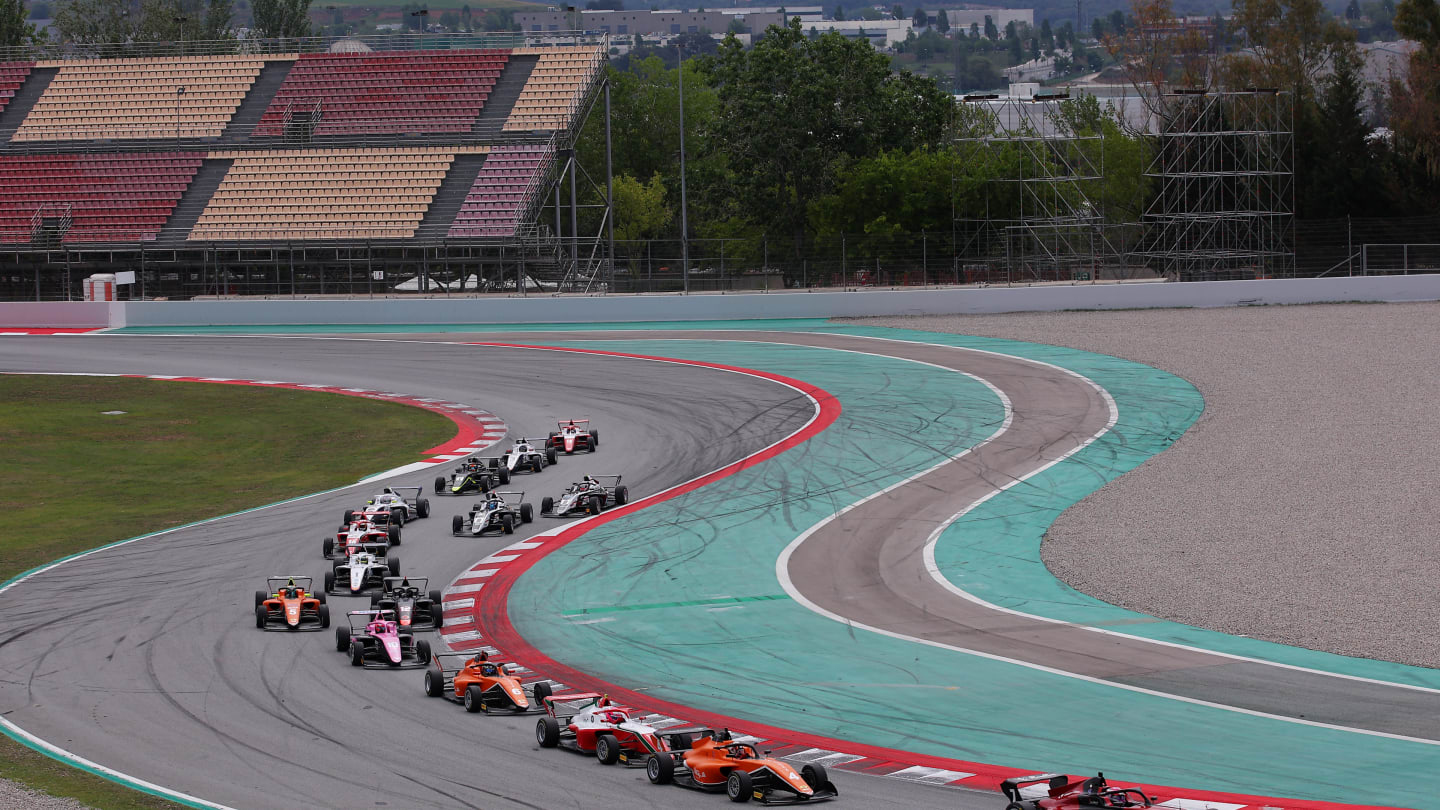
<point x="492" y="207"/>
<point x="12" y="76"/>
<point x="387" y="92"/>
<point x="324" y="193"/>
<point x="100" y="198"/>
<point x="557" y="85"/>
<point x="161" y="97"/>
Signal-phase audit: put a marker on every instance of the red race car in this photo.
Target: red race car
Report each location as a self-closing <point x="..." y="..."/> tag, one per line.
<point x="588" y="723"/>
<point x="574" y="434"/>
<point x="716" y="763"/>
<point x="1063" y="792"/>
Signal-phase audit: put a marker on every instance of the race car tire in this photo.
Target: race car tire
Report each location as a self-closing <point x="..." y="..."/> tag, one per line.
<point x="374" y="601"/>
<point x="660" y="769"/>
<point x="1015" y="806"/>
<point x="394" y="563"/>
<point x="394" y="534"/>
<point x="509" y="524"/>
<point x="527" y="512"/>
<point x="622" y="495"/>
<point x="327" y="547"/>
<point x="547" y="732"/>
<point x="329" y="580"/>
<point x="541" y="691"/>
<point x="486" y="483"/>
<point x="349" y="517"/>
<point x="474" y="699"/>
<point x="422" y="507"/>
<point x="538" y="465"/>
<point x="550" y="455"/>
<point x="815" y="776"/>
<point x="594" y="440"/>
<point x="260" y="616"/>
<point x="457" y="524"/>
<point x="324" y="616"/>
<point x="494" y="462"/>
<point x="439" y="485"/>
<point x="422" y="650"/>
<point x="342" y="639"/>
<point x="434" y="683"/>
<point x="504" y="475"/>
<point x="607" y="749"/>
<point x="260" y="597"/>
<point x="436" y="597"/>
<point x="357" y="654"/>
<point x="437" y="614"/>
<point x="739" y="786"/>
<point x="595" y="506"/>
<point x="680" y="741"/>
<point x="547" y="505"/>
<point x="321" y="597"/>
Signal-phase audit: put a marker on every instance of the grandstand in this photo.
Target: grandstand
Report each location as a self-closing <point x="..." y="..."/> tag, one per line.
<point x="314" y="161"/>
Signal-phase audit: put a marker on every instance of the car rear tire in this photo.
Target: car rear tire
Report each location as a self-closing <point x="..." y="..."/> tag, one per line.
<point x="329" y="581"/>
<point x="342" y="639"/>
<point x="547" y="505"/>
<point x="394" y="534"/>
<point x="622" y="495"/>
<point x="357" y="654"/>
<point x="474" y="699"/>
<point x="434" y="683"/>
<point x="394" y="563"/>
<point x="680" y="741"/>
<point x="327" y="547"/>
<point x="594" y="440"/>
<point x="324" y="615"/>
<point x="260" y="597"/>
<point x="550" y="455"/>
<point x="508" y="523"/>
<point x="541" y="691"/>
<point x="494" y="463"/>
<point x="527" y="512"/>
<point x="815" y="776"/>
<point x="349" y="517"/>
<point x="457" y="524"/>
<point x="321" y="597"/>
<point x="504" y="475"/>
<point x="739" y="786"/>
<point x="260" y="614"/>
<point x="607" y="749"/>
<point x="439" y="485"/>
<point x="422" y="651"/>
<point x="422" y="507"/>
<point x="1015" y="806"/>
<point x="436" y="597"/>
<point x="547" y="732"/>
<point x="437" y="613"/>
<point x="660" y="769"/>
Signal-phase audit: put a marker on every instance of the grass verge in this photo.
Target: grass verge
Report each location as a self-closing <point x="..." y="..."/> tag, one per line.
<point x="178" y="453"/>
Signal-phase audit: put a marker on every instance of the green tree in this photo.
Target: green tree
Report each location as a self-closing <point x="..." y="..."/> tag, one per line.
<point x="14" y="30"/>
<point x="898" y="12"/>
<point x="942" y="21"/>
<point x="282" y="18"/>
<point x="974" y="30"/>
<point x="1117" y="22"/>
<point x="991" y="32"/>
<point x="921" y="19"/>
<point x="93" y="22"/>
<point x="839" y="12"/>
<point x="1047" y="37"/>
<point x="1015" y="49"/>
<point x="1349" y="179"/>
<point x="641" y="211"/>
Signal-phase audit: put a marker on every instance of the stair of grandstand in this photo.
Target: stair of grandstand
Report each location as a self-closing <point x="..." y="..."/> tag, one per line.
<point x="24" y="98"/>
<point x="445" y="206"/>
<point x="262" y="92"/>
<point x="192" y="203"/>
<point x="505" y="92"/>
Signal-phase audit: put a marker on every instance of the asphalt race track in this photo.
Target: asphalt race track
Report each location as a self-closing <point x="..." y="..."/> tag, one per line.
<point x="145" y="658"/>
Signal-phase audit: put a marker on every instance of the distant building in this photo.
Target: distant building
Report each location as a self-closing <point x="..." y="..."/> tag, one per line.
<point x="963" y="17"/>
<point x="665" y="22"/>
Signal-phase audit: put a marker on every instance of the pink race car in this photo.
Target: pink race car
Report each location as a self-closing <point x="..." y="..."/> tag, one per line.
<point x="374" y="639"/>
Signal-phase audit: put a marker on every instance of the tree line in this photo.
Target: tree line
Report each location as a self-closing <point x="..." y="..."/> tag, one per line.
<point x="94" y="22"/>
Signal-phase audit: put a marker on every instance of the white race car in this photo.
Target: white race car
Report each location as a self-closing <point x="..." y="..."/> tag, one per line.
<point x="589" y="496"/>
<point x="402" y="504"/>
<point x="526" y="455"/>
<point x="360" y="572"/>
<point x="495" y="513"/>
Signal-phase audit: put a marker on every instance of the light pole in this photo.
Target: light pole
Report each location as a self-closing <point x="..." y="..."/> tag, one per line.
<point x="684" y="207"/>
<point x="424" y="15"/>
<point x="179" y="91"/>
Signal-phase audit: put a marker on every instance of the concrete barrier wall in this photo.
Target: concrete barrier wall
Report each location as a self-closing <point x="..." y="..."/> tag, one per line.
<point x="630" y="308"/>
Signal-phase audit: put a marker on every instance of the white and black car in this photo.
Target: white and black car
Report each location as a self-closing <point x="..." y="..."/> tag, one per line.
<point x="499" y="512"/>
<point x="590" y="495"/>
<point x="401" y="504"/>
<point x="526" y="455"/>
<point x="360" y="573"/>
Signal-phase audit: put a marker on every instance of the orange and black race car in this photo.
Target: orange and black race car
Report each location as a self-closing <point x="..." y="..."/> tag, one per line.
<point x="480" y="684"/>
<point x="289" y="604"/>
<point x="1063" y="792"/>
<point x="715" y="762"/>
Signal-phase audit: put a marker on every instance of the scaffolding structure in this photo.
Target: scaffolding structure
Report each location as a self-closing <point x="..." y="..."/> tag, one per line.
<point x="1223" y="179"/>
<point x="1039" y="221"/>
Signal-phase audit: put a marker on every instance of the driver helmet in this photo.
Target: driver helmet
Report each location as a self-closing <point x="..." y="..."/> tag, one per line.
<point x="590" y="480"/>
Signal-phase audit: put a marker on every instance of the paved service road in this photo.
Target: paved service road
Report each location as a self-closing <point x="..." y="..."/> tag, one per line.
<point x="145" y="659"/>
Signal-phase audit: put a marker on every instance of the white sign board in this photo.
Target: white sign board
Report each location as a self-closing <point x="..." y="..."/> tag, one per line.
<point x="125" y="277"/>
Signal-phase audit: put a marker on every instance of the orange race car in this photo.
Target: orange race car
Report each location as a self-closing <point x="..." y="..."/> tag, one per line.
<point x="481" y="684"/>
<point x="715" y="762"/>
<point x="289" y="604"/>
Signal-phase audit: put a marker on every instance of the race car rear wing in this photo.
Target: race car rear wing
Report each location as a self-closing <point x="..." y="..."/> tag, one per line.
<point x="275" y="583"/>
<point x="411" y="495"/>
<point x="519" y="496"/>
<point x="367" y="616"/>
<point x="564" y="423"/>
<point x="377" y="549"/>
<point x="391" y="583"/>
<point x="1054" y="781"/>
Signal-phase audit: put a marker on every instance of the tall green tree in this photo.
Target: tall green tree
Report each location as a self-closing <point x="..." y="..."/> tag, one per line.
<point x="14" y="29"/>
<point x="991" y="32"/>
<point x="921" y="18"/>
<point x="282" y="18"/>
<point x="97" y="21"/>
<point x="942" y="21"/>
<point x="1349" y="178"/>
<point x="1047" y="37"/>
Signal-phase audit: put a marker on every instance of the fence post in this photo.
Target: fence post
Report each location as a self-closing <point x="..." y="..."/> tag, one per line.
<point x="1406" y="264"/>
<point x="844" y="273"/>
<point x="722" y="261"/>
<point x="924" y="260"/>
<point x="1349" y="245"/>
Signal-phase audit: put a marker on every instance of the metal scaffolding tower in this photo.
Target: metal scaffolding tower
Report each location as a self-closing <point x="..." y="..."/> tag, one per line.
<point x="1223" y="180"/>
<point x="1040" y="223"/>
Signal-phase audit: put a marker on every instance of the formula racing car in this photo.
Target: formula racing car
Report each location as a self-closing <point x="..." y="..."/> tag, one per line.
<point x="375" y="640"/>
<point x="480" y="684"/>
<point x="589" y="723"/>
<point x="715" y="762"/>
<point x="414" y="608"/>
<point x="288" y="603"/>
<point x="574" y="434"/>
<point x="496" y="513"/>
<point x="1063" y="792"/>
<point x="590" y="495"/>
<point x="360" y="572"/>
<point x="401" y="504"/>
<point x="524" y="456"/>
<point x="470" y="476"/>
<point x="359" y="533"/>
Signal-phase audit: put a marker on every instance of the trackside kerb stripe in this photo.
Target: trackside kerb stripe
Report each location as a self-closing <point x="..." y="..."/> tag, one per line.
<point x="492" y="613"/>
